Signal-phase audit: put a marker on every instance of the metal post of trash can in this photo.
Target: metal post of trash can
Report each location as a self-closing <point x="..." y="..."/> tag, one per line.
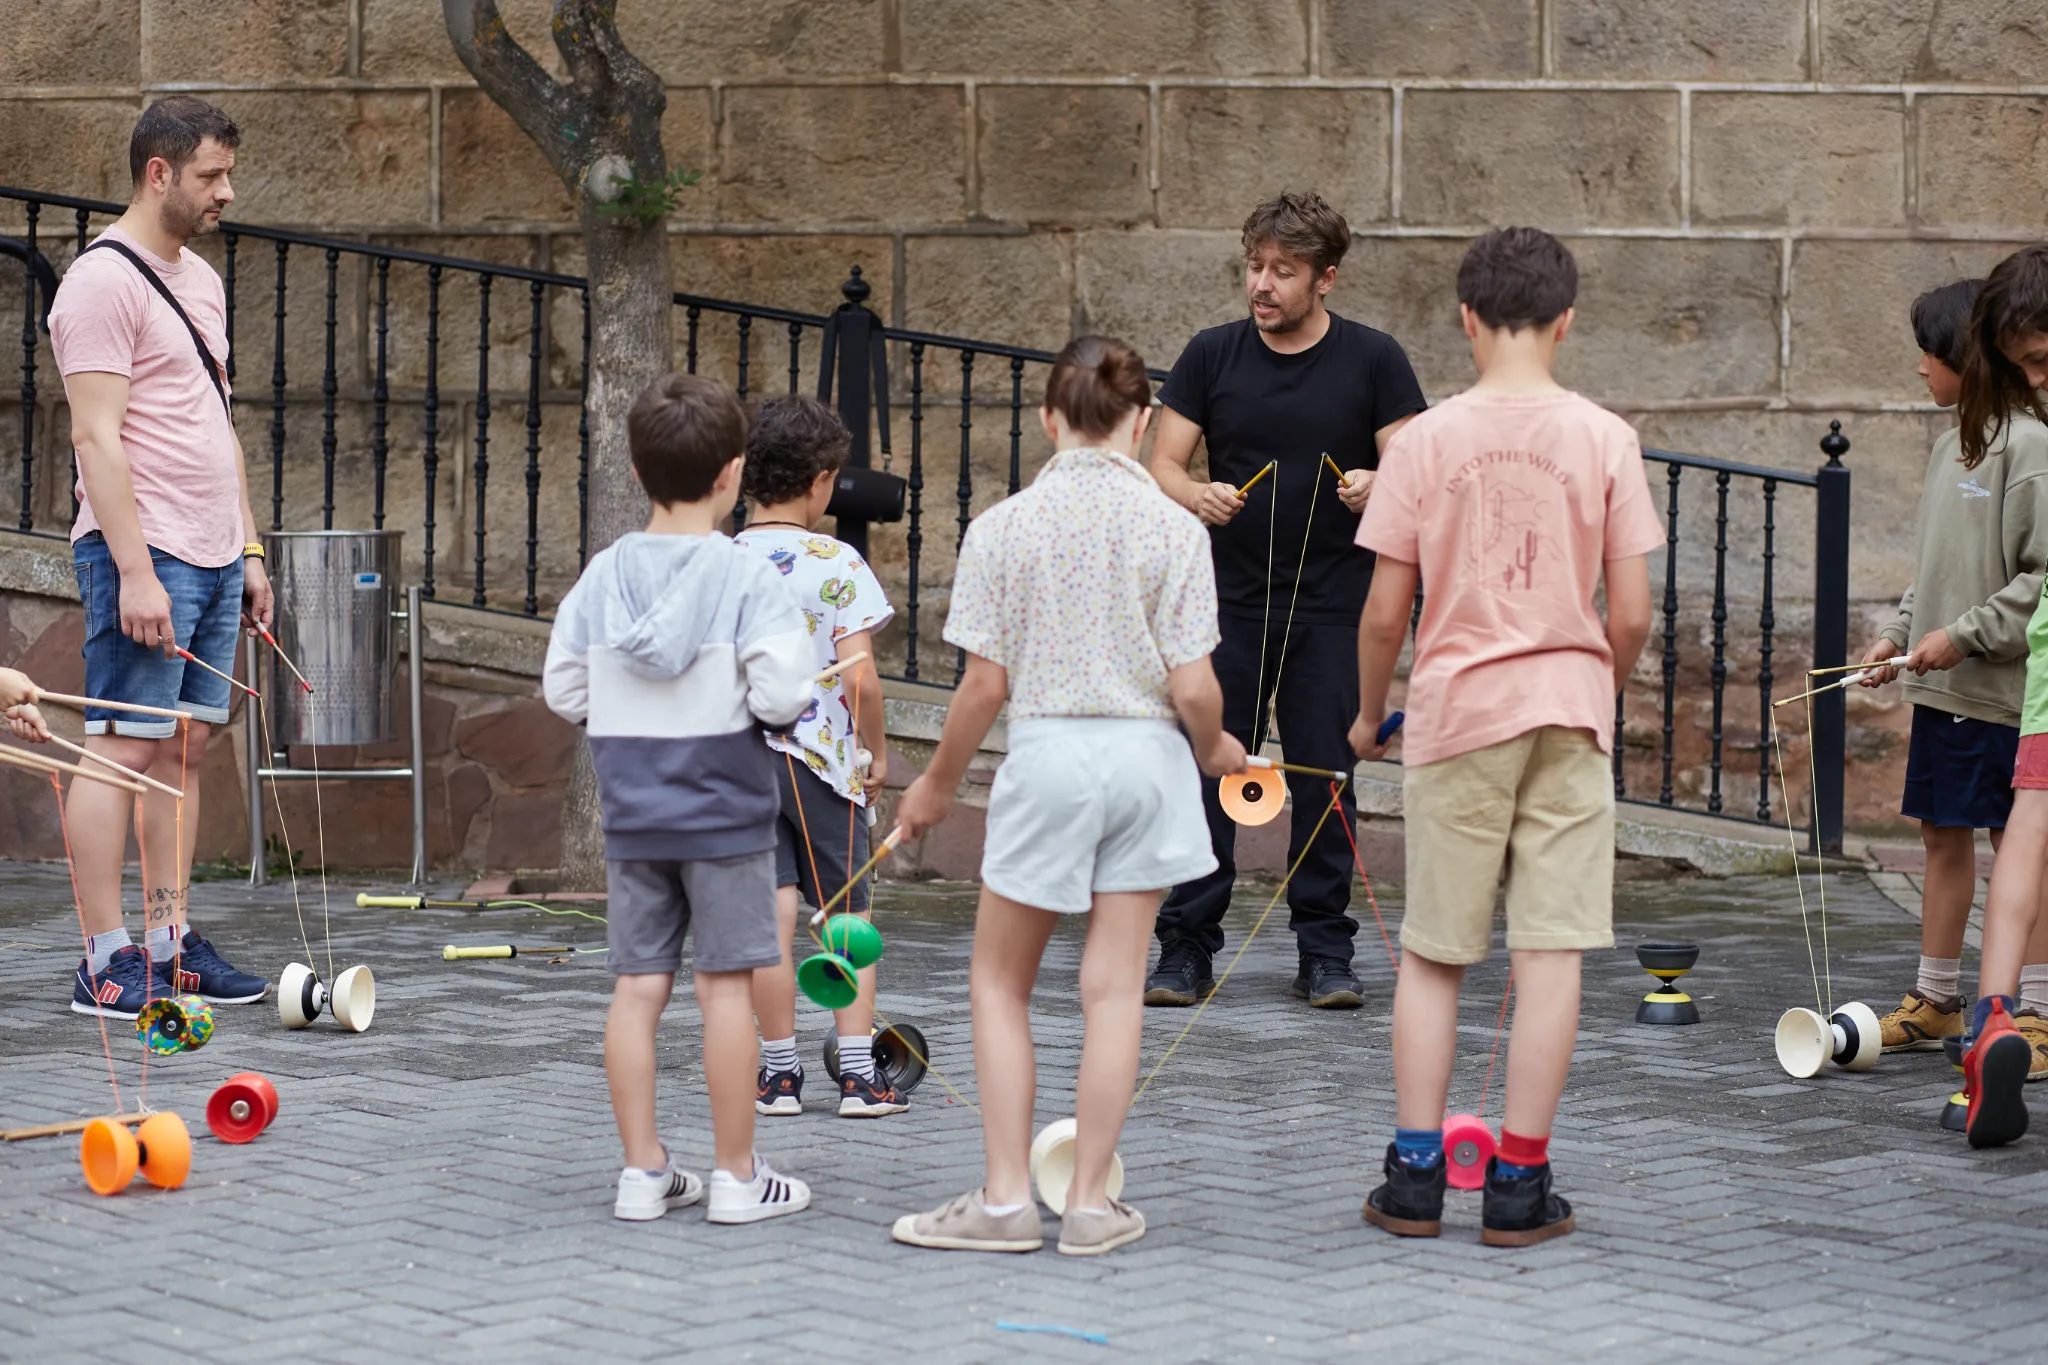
<point x="416" y="668"/>
<point x="252" y="744"/>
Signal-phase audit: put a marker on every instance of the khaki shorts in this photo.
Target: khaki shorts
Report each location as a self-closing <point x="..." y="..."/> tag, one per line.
<point x="1540" y="807"/>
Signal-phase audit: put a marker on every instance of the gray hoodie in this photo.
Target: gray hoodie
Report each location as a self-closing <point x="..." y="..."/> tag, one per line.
<point x="674" y="651"/>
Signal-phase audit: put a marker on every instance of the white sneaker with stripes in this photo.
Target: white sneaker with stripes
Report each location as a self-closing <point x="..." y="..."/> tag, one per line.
<point x="767" y="1195"/>
<point x="645" y="1195"/>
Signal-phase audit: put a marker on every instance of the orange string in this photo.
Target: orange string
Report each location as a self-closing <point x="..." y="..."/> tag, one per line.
<point x="1358" y="860"/>
<point x="71" y="866"/>
<point x="1498" y="1029"/>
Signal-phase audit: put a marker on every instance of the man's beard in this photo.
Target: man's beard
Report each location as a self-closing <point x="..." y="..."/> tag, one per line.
<point x="185" y="219"/>
<point x="1286" y="322"/>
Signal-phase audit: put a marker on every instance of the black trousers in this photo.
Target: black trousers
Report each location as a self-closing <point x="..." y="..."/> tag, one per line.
<point x="1315" y="701"/>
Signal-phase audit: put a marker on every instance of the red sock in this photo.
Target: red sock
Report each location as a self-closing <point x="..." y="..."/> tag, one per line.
<point x="1517" y="1150"/>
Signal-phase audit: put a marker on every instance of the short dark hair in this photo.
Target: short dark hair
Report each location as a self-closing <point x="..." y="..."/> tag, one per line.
<point x="1941" y="321"/>
<point x="2012" y="303"/>
<point x="1518" y="277"/>
<point x="172" y="128"/>
<point x="1302" y="225"/>
<point x="682" y="430"/>
<point x="791" y="442"/>
<point x="1094" y="382"/>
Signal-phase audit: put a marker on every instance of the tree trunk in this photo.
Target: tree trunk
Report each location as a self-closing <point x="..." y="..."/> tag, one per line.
<point x="630" y="347"/>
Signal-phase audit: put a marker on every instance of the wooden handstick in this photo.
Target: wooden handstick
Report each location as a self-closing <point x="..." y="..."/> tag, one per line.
<point x="68" y="1126"/>
<point x="1342" y="478"/>
<point x="144" y="778"/>
<point x="21" y="758"/>
<point x="1830" y="687"/>
<point x="189" y="657"/>
<point x="887" y="847"/>
<point x="80" y="703"/>
<point x="1246" y="487"/>
<point x="1256" y="761"/>
<point x="835" y="670"/>
<point x="271" y="640"/>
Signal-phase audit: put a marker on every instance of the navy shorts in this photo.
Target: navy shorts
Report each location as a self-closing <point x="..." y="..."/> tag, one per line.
<point x="1959" y="771"/>
<point x="206" y="617"/>
<point x="838" y="829"/>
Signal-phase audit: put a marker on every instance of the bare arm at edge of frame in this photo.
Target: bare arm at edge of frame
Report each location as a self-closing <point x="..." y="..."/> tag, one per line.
<point x="1174" y="438"/>
<point x="99" y="404"/>
<point x="980" y="696"/>
<point x="864" y="699"/>
<point x="1628" y="613"/>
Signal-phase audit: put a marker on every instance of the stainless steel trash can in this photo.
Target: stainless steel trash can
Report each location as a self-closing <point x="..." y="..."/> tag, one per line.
<point x="336" y="592"/>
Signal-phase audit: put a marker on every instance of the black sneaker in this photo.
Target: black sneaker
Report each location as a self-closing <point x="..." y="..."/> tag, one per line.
<point x="117" y="992"/>
<point x="779" y="1092"/>
<point x="1521" y="1212"/>
<point x="1327" y="983"/>
<point x="860" y="1098"/>
<point x="1411" y="1202"/>
<point x="1183" y="975"/>
<point x="203" y="972"/>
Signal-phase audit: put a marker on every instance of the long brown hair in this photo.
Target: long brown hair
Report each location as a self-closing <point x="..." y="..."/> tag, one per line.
<point x="2013" y="302"/>
<point x="1094" y="381"/>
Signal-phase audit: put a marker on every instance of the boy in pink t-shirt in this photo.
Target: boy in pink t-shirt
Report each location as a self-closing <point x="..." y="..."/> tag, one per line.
<point x="1513" y="501"/>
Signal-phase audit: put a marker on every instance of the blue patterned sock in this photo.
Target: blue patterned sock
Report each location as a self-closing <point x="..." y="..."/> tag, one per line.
<point x="1507" y="1170"/>
<point x="1419" y="1149"/>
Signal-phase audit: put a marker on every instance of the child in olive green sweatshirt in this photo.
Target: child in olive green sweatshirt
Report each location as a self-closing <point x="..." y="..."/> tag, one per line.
<point x="1962" y="631"/>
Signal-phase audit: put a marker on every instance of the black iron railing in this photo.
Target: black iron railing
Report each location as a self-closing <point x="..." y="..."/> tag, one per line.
<point x="870" y="370"/>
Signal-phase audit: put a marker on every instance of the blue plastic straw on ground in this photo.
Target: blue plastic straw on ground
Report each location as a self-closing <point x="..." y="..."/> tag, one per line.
<point x="1054" y="1329"/>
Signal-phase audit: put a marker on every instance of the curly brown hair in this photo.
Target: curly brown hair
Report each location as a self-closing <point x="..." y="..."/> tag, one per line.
<point x="794" y="439"/>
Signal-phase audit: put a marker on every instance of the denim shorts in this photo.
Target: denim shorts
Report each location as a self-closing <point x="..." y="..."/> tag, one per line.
<point x="206" y="617"/>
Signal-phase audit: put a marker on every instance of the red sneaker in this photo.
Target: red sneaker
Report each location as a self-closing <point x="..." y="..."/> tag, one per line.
<point x="1994" y="1074"/>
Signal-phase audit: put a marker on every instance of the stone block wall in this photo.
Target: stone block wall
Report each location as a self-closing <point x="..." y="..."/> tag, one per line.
<point x="1755" y="190"/>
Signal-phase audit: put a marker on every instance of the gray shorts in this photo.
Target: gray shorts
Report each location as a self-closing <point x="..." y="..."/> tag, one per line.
<point x="729" y="902"/>
<point x="1094" y="803"/>
<point x="818" y="868"/>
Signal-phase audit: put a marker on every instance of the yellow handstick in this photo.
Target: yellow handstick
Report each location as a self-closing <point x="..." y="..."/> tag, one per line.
<point x="1342" y="477"/>
<point x="887" y="847"/>
<point x="1247" y="486"/>
<point x="365" y="901"/>
<point x="451" y="953"/>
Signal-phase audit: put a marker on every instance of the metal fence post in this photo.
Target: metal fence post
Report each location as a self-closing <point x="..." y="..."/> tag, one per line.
<point x="850" y="340"/>
<point x="1830" y="636"/>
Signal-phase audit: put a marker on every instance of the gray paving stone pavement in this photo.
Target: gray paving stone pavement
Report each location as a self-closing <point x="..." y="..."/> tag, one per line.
<point x="439" y="1187"/>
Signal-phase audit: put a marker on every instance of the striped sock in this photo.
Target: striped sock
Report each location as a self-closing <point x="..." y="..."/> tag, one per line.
<point x="779" y="1055"/>
<point x="99" y="948"/>
<point x="162" y="944"/>
<point x="857" y="1057"/>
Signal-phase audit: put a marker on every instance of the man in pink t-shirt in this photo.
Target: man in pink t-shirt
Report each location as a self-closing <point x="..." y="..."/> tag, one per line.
<point x="1513" y="502"/>
<point x="165" y="546"/>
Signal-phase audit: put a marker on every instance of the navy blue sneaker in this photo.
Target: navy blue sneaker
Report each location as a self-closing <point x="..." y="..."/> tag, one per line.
<point x="119" y="992"/>
<point x="203" y="972"/>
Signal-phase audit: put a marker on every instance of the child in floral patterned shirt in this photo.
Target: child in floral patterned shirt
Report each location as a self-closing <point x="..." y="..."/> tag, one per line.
<point x="833" y="755"/>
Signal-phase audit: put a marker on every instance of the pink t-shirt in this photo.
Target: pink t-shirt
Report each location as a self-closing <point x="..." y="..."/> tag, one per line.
<point x="107" y="319"/>
<point x="1509" y="505"/>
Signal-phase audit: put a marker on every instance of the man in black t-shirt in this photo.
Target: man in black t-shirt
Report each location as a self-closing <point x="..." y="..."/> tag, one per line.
<point x="1296" y="387"/>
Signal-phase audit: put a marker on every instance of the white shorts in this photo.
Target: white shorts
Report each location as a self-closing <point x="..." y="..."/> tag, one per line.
<point x="1094" y="803"/>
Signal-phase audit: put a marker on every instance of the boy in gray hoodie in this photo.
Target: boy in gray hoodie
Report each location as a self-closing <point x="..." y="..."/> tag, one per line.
<point x="1961" y="636"/>
<point x="674" y="649"/>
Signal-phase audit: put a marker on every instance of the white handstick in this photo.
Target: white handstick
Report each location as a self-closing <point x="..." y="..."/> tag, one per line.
<point x="80" y="703"/>
<point x="883" y="850"/>
<point x="37" y="763"/>
<point x="836" y="669"/>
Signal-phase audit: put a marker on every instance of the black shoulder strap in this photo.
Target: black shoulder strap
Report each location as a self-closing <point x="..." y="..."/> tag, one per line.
<point x="157" y="282"/>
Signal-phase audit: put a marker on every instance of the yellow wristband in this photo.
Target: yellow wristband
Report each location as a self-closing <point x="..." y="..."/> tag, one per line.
<point x="252" y="551"/>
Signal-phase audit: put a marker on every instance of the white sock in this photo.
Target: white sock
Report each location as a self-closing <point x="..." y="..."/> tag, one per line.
<point x="101" y="947"/>
<point x="857" y="1057"/>
<point x="2034" y="988"/>
<point x="779" y="1054"/>
<point x="162" y="944"/>
<point x="1941" y="977"/>
<point x="1001" y="1210"/>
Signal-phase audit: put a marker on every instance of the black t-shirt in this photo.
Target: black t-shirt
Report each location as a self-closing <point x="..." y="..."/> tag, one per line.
<point x="1254" y="405"/>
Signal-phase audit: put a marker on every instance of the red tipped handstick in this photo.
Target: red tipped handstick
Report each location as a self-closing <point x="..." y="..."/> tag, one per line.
<point x="271" y="640"/>
<point x="189" y="657"/>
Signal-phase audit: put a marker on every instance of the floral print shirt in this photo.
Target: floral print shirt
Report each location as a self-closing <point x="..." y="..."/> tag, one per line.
<point x="839" y="596"/>
<point x="1089" y="587"/>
